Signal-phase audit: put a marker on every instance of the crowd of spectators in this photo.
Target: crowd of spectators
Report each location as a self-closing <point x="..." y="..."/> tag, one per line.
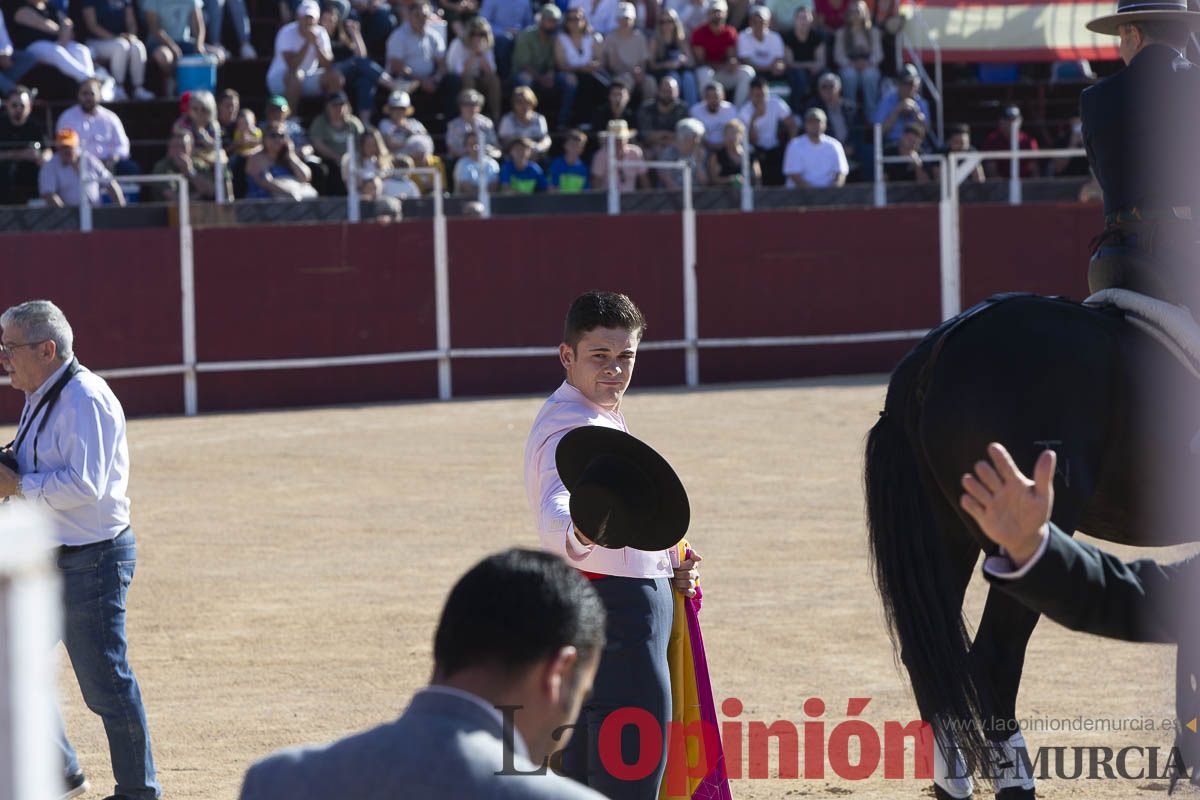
<point x="790" y="86"/>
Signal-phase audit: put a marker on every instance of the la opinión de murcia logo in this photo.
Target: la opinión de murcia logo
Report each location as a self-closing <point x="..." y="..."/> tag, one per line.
<point x="853" y="749"/>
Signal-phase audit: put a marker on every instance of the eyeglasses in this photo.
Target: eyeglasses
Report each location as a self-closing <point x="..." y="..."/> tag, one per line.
<point x="6" y="350"/>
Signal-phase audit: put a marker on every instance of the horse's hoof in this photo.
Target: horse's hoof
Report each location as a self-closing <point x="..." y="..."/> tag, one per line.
<point x="1016" y="793"/>
<point x="942" y="794"/>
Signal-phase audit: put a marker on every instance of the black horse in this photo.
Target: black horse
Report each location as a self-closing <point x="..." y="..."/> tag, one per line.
<point x="1030" y="372"/>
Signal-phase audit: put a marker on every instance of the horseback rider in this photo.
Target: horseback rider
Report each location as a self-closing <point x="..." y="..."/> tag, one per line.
<point x="1139" y="128"/>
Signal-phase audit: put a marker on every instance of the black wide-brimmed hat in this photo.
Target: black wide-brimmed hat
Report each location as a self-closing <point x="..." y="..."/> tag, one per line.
<point x="1131" y="11"/>
<point x="623" y="493"/>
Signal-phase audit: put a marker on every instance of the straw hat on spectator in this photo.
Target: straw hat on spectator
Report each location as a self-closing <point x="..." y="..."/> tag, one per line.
<point x="619" y="129"/>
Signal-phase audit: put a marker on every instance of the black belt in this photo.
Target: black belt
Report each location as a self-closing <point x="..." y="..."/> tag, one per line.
<point x="64" y="549"/>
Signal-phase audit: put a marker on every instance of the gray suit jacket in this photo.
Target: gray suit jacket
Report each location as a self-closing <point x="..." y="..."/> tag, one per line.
<point x="442" y="747"/>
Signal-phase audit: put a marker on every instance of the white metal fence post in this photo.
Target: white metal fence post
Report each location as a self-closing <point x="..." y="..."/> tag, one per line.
<point x="613" y="177"/>
<point x="747" y="179"/>
<point x="30" y="623"/>
<point x="1014" y="165"/>
<point x="219" y="170"/>
<point x="85" y="200"/>
<point x="949" y="255"/>
<point x="485" y="192"/>
<point x="187" y="285"/>
<point x="691" y="311"/>
<point x="880" y="186"/>
<point x="353" y="201"/>
<point x="441" y="288"/>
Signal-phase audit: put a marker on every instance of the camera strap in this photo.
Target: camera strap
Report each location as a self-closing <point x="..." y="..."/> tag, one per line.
<point x="44" y="407"/>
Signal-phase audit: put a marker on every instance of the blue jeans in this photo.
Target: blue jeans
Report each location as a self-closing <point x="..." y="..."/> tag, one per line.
<point x="95" y="580"/>
<point x="868" y="81"/>
<point x="362" y="77"/>
<point x="22" y="62"/>
<point x="214" y="17"/>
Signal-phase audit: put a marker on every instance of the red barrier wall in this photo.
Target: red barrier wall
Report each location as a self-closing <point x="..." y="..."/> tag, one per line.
<point x="1042" y="249"/>
<point x="511" y="281"/>
<point x="314" y="290"/>
<point x="809" y="273"/>
<point x="119" y="289"/>
<point x="323" y="290"/>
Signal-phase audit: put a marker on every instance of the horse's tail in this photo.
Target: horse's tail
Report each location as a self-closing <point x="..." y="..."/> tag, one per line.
<point x="913" y="573"/>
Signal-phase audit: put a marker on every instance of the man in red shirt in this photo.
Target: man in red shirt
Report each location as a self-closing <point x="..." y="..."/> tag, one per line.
<point x="1001" y="139"/>
<point x="715" y="49"/>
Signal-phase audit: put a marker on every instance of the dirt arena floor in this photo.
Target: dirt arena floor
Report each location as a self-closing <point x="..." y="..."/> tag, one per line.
<point x="292" y="565"/>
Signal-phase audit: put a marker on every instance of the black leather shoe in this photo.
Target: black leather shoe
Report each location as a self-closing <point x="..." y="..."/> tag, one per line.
<point x="74" y="785"/>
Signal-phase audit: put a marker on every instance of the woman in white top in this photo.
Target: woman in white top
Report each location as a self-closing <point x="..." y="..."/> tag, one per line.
<point x="525" y="122"/>
<point x="472" y="58"/>
<point x="600" y="14"/>
<point x="578" y="51"/>
<point x="858" y="52"/>
<point x="627" y="54"/>
<point x="376" y="171"/>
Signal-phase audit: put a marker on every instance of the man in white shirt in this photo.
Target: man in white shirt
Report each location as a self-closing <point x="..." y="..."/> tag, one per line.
<point x="60" y="180"/>
<point x="303" y="54"/>
<point x="74" y="466"/>
<point x="416" y="56"/>
<point x="514" y="655"/>
<point x="714" y="111"/>
<point x="763" y="116"/>
<point x="761" y="48"/>
<point x="101" y="132"/>
<point x="600" y="341"/>
<point x="815" y="159"/>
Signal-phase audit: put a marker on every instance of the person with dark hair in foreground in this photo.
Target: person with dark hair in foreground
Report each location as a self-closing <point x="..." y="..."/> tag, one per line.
<point x="1082" y="587"/>
<point x="521" y="631"/>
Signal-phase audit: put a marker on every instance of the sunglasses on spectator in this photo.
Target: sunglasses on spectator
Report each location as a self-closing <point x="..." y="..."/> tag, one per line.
<point x="276" y="135"/>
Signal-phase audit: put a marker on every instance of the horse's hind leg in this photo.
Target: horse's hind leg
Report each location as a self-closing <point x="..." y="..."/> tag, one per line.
<point x="952" y="779"/>
<point x="998" y="653"/>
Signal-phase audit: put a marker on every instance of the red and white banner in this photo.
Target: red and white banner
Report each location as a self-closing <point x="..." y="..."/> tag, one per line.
<point x="1010" y="30"/>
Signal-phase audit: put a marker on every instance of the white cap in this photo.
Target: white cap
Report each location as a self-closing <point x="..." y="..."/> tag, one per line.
<point x="308" y="8"/>
<point x="718" y="4"/>
<point x="760" y="11"/>
<point x="626" y="11"/>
